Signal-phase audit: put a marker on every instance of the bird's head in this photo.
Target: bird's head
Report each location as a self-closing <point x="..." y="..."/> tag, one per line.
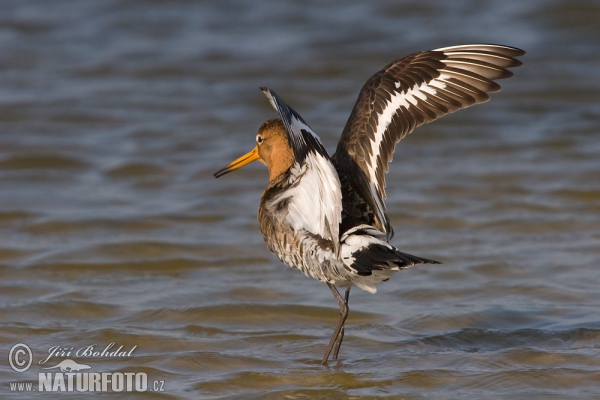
<point x="272" y="149"/>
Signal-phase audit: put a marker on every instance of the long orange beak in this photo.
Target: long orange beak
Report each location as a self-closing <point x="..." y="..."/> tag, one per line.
<point x="239" y="163"/>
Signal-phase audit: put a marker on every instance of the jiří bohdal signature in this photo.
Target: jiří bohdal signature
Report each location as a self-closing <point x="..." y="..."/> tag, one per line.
<point x="90" y="351"/>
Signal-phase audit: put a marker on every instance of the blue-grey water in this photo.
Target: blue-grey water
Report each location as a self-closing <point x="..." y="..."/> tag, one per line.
<point x="115" y="114"/>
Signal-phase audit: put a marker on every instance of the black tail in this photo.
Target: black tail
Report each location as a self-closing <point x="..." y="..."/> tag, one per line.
<point x="405" y="257"/>
<point x="384" y="256"/>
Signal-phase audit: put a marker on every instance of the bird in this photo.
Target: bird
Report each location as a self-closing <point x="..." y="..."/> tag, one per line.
<point x="325" y="215"/>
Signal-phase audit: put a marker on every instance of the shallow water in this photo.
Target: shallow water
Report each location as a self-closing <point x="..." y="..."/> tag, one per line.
<point x="114" y="115"/>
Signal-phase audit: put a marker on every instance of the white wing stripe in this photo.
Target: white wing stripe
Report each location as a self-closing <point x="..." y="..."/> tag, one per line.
<point x="439" y="82"/>
<point x="411" y="98"/>
<point x="399" y="99"/>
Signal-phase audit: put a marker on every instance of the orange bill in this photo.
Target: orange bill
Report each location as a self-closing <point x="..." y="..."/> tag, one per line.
<point x="239" y="163"/>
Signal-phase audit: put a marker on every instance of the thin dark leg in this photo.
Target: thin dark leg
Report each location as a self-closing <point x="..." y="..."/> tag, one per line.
<point x="338" y="342"/>
<point x="340" y="325"/>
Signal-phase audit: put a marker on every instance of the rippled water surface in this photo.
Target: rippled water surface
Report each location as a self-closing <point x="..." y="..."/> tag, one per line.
<point x="114" y="115"/>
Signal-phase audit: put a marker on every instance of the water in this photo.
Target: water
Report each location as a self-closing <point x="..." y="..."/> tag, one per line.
<point x="114" y="115"/>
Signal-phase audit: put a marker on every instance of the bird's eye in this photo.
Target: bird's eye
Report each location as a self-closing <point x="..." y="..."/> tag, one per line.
<point x="259" y="139"/>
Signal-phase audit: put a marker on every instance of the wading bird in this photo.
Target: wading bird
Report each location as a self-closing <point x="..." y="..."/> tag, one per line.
<point x="326" y="216"/>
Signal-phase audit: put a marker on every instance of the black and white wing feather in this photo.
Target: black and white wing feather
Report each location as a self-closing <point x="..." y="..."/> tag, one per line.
<point x="300" y="136"/>
<point x="407" y="93"/>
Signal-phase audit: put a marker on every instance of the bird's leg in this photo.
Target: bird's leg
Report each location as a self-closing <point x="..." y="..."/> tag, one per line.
<point x="338" y="343"/>
<point x="343" y="315"/>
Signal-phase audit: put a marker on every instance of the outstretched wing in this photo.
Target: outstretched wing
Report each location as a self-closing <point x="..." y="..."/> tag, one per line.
<point x="407" y="93"/>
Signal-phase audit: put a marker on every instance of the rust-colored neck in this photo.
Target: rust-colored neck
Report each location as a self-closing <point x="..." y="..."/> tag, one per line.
<point x="275" y="150"/>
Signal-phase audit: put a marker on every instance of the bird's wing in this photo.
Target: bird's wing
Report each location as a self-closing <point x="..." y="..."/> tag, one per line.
<point x="315" y="204"/>
<point x="300" y="136"/>
<point x="407" y="93"/>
